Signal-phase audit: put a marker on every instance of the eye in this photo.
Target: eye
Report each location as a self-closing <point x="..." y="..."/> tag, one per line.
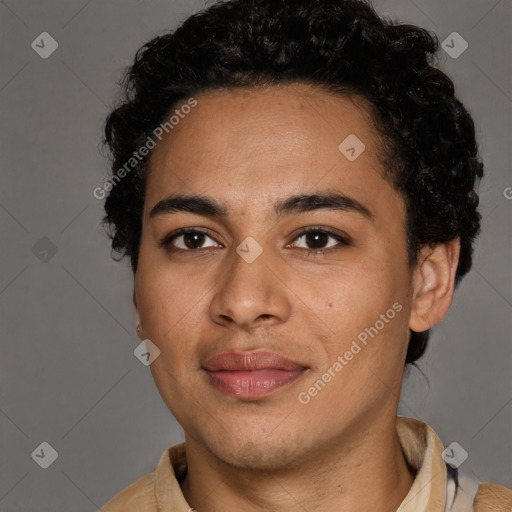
<point x="313" y="239"/>
<point x="188" y="239"/>
<point x="318" y="240"/>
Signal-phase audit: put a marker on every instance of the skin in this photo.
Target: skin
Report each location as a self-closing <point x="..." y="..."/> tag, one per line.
<point x="249" y="148"/>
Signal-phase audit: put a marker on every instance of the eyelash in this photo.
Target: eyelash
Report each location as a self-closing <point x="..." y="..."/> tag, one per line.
<point x="166" y="242"/>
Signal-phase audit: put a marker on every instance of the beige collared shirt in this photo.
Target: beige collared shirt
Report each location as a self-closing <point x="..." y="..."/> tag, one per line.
<point x="434" y="489"/>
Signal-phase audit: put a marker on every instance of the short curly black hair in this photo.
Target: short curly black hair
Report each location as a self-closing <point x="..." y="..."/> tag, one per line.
<point x="428" y="137"/>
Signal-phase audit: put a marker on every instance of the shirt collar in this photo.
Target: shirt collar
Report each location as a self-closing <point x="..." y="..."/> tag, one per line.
<point x="420" y="444"/>
<point x="423" y="451"/>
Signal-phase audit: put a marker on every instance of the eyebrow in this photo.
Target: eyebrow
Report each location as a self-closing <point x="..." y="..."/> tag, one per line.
<point x="209" y="207"/>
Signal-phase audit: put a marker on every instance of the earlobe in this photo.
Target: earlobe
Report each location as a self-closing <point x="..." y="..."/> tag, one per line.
<point x="433" y="284"/>
<point x="137" y="317"/>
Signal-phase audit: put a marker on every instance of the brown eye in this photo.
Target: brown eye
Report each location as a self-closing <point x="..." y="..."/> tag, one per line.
<point x="188" y="240"/>
<point x="315" y="239"/>
<point x="193" y="240"/>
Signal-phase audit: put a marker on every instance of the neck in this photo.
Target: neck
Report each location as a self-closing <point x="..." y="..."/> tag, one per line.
<point x="363" y="471"/>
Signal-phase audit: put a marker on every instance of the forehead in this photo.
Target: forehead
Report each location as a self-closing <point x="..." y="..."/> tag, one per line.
<point x="265" y="140"/>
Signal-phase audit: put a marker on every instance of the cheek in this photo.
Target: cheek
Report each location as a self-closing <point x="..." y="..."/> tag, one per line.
<point x="367" y="304"/>
<point x="355" y="296"/>
<point x="169" y="303"/>
<point x="171" y="306"/>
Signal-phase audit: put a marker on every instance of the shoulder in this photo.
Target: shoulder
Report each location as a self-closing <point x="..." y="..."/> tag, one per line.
<point x="140" y="496"/>
<point x="154" y="490"/>
<point x="493" y="498"/>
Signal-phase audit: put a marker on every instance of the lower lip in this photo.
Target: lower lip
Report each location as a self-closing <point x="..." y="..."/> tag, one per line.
<point x="252" y="384"/>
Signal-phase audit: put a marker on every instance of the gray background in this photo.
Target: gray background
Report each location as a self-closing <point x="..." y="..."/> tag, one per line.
<point x="68" y="375"/>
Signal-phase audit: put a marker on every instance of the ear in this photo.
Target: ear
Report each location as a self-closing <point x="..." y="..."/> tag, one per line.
<point x="433" y="284"/>
<point x="137" y="316"/>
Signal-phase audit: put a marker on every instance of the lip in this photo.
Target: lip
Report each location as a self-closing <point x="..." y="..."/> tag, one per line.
<point x="251" y="374"/>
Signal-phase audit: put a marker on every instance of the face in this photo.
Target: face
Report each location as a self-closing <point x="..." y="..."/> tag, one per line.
<point x="282" y="313"/>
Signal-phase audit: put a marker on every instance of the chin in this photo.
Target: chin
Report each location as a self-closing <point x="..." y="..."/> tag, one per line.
<point x="256" y="453"/>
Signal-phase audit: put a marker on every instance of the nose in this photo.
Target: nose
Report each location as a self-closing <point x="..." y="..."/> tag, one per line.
<point x="251" y="294"/>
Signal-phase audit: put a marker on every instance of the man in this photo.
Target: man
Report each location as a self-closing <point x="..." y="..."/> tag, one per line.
<point x="294" y="185"/>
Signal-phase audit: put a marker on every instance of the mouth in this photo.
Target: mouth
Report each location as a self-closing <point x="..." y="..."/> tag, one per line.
<point x="251" y="374"/>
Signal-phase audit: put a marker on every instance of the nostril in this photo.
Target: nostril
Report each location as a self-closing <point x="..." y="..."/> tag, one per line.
<point x="227" y="319"/>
